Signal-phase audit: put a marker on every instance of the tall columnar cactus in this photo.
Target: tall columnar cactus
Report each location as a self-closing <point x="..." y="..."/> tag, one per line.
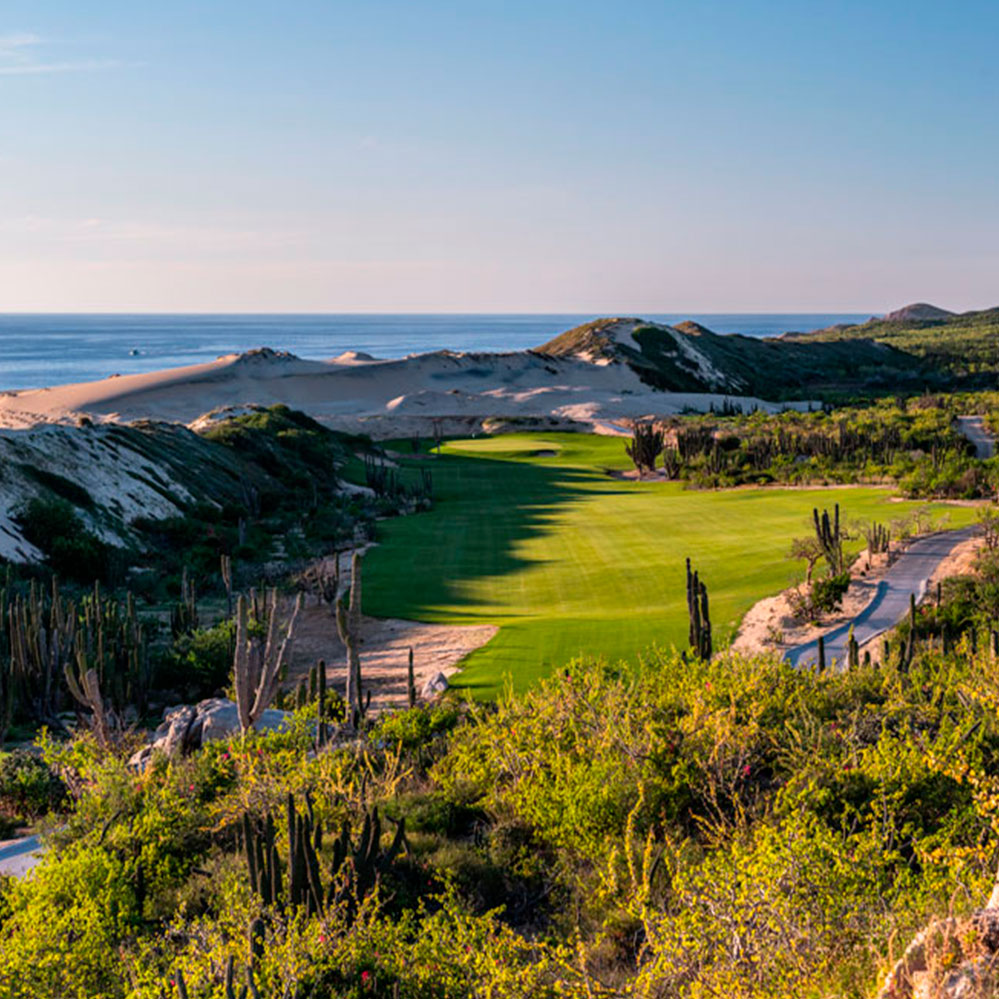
<point x="907" y="648"/>
<point x="348" y="622"/>
<point x="258" y="665"/>
<point x="853" y="649"/>
<point x="225" y="565"/>
<point x="699" y="633"/>
<point x="322" y="726"/>
<point x="411" y="681"/>
<point x="830" y="539"/>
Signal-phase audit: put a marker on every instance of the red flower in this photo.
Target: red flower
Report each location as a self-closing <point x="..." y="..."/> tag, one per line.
<point x="365" y="976"/>
<point x="745" y="770"/>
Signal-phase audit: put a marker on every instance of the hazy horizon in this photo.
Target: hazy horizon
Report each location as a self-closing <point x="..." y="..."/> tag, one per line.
<point x="524" y="158"/>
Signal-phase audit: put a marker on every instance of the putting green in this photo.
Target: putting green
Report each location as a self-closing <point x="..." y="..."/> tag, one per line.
<point x="531" y="533"/>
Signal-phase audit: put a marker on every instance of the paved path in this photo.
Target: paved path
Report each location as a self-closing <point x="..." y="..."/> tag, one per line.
<point x="18" y="856"/>
<point x="910" y="574"/>
<point x="973" y="427"/>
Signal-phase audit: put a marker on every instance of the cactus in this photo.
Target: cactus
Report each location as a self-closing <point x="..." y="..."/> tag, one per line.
<point x="830" y="539"/>
<point x="411" y="681"/>
<point x="853" y="650"/>
<point x="42" y="637"/>
<point x="348" y="622"/>
<point x="184" y="616"/>
<point x="699" y="633"/>
<point x="114" y="643"/>
<point x="257" y="665"/>
<point x="86" y="689"/>
<point x="907" y="648"/>
<point x="878" y="538"/>
<point x="646" y="445"/>
<point x="225" y="565"/>
<point x="822" y="654"/>
<point x="671" y="463"/>
<point x="322" y="729"/>
<point x="353" y="871"/>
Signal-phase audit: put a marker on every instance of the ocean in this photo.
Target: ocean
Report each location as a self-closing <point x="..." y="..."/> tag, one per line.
<point x="41" y="350"/>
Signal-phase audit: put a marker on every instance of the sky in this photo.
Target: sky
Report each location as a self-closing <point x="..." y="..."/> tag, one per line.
<point x="478" y="156"/>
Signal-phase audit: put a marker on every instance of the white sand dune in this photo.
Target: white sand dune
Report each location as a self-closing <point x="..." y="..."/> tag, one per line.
<point x="381" y="397"/>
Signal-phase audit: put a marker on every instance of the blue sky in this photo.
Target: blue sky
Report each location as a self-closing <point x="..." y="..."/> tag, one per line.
<point x="478" y="156"/>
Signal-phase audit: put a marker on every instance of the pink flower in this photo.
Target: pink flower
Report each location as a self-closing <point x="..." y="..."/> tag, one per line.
<point x="190" y="787"/>
<point x="745" y="770"/>
<point x="365" y="976"/>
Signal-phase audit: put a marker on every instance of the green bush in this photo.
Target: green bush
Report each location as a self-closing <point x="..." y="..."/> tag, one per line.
<point x="28" y="786"/>
<point x="72" y="551"/>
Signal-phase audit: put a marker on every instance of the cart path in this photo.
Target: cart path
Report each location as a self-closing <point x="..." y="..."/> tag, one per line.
<point x="909" y="575"/>
<point x="973" y="427"/>
<point x="18" y="856"/>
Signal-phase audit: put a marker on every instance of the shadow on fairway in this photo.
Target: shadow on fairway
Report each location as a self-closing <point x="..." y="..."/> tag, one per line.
<point x="484" y="507"/>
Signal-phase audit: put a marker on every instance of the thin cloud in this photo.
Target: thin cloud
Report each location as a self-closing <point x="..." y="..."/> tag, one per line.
<point x="22" y="54"/>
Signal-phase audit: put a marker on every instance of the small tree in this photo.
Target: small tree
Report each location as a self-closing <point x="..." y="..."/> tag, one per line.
<point x="810" y="552"/>
<point x="989" y="519"/>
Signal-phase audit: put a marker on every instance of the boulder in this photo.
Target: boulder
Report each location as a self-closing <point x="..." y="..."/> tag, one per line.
<point x="187" y="727"/>
<point x="437" y="684"/>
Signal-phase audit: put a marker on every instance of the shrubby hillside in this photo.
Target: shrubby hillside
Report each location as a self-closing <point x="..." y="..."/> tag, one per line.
<point x="682" y="828"/>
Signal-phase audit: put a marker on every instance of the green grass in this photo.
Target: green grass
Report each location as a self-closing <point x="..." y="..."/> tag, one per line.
<point x="567" y="560"/>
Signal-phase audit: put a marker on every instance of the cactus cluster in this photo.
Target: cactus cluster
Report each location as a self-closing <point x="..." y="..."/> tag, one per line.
<point x="184" y="615"/>
<point x="646" y="445"/>
<point x="830" y="539"/>
<point x="697" y="609"/>
<point x="45" y="638"/>
<point x="878" y="538"/>
<point x="299" y="880"/>
<point x="384" y="481"/>
<point x="312" y="690"/>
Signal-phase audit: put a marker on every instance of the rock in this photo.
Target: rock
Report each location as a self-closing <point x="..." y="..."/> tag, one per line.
<point x="950" y="959"/>
<point x="437" y="684"/>
<point x="186" y="728"/>
<point x="172" y="735"/>
<point x="219" y="719"/>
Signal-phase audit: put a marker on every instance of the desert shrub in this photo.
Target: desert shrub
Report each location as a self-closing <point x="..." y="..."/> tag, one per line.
<point x="28" y="786"/>
<point x="827" y="594"/>
<point x="200" y="662"/>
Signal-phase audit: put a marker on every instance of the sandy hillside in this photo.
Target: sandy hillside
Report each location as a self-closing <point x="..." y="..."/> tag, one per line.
<point x="382" y="397"/>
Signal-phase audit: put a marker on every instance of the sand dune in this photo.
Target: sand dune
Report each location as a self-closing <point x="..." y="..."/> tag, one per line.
<point x="358" y="393"/>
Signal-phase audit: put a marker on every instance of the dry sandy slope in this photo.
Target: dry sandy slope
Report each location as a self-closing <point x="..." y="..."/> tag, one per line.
<point x="384" y="398"/>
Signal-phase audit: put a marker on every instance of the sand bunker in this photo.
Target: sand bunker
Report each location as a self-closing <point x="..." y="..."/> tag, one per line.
<point x="385" y="645"/>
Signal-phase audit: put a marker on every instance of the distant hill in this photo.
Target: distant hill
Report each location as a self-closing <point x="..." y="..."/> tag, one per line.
<point x="958" y="349"/>
<point x="917" y="312"/>
<point x="689" y="357"/>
